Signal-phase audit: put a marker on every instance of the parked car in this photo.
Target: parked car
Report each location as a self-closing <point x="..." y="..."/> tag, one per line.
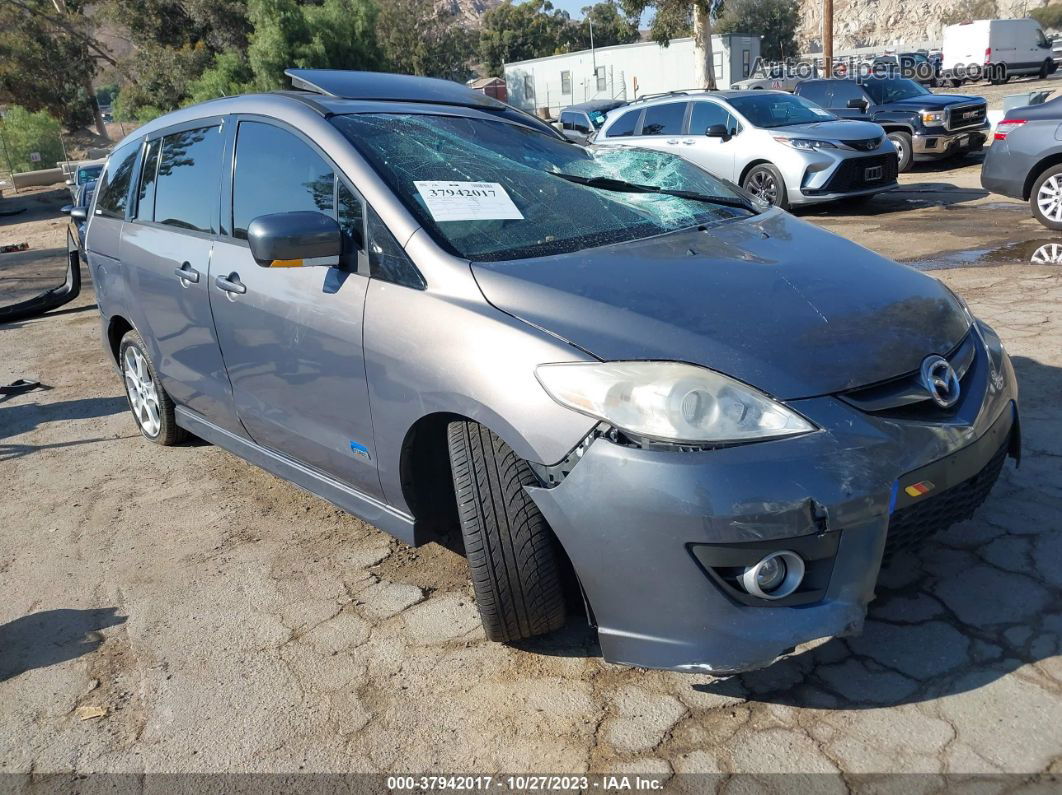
<point x="1025" y="160"/>
<point x="604" y="361"/>
<point x="84" y="173"/>
<point x="78" y="212"/>
<point x="996" y="49"/>
<point x="579" y="123"/>
<point x="920" y="124"/>
<point x="913" y="65"/>
<point x="777" y="77"/>
<point x="778" y="147"/>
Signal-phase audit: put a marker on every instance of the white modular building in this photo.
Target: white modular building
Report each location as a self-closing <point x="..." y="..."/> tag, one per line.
<point x="624" y="71"/>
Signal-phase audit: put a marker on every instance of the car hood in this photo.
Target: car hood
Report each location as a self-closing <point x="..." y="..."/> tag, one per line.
<point x="840" y="129"/>
<point x="773" y="301"/>
<point x="935" y="101"/>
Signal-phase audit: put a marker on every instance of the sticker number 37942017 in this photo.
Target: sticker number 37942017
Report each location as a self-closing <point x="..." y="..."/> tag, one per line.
<point x="467" y="201"/>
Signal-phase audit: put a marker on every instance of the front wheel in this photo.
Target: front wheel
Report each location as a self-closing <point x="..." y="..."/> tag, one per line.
<point x="1045" y="200"/>
<point x="149" y="402"/>
<point x="512" y="553"/>
<point x="1045" y="69"/>
<point x="904" y="155"/>
<point x="765" y="183"/>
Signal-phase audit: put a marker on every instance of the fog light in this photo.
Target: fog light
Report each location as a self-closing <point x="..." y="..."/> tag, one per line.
<point x="775" y="576"/>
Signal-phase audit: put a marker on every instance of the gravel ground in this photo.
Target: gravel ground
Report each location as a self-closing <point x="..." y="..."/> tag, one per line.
<point x="179" y="610"/>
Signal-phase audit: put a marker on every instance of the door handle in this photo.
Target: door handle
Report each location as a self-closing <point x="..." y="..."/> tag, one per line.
<point x="688" y="141"/>
<point x="671" y="141"/>
<point x="187" y="274"/>
<point x="231" y="284"/>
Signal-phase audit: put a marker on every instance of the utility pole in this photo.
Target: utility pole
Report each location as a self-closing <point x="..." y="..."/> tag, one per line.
<point x="593" y="52"/>
<point x="827" y="38"/>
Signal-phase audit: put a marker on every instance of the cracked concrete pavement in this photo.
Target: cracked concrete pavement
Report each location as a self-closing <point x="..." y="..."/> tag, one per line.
<point x="225" y="621"/>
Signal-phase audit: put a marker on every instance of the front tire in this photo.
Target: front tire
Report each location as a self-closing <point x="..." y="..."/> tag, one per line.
<point x="765" y="183"/>
<point x="1045" y="199"/>
<point x="904" y="155"/>
<point x="512" y="553"/>
<point x="150" y="404"/>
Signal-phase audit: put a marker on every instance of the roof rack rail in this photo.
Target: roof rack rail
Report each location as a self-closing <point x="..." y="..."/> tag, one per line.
<point x="675" y="92"/>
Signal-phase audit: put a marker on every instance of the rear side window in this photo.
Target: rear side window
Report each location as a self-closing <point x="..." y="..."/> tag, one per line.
<point x="664" y="119"/>
<point x="708" y="114"/>
<point x="114" y="191"/>
<point x="624" y="125"/>
<point x="576" y="122"/>
<point x="276" y="172"/>
<point x="186" y="190"/>
<point x="819" y="93"/>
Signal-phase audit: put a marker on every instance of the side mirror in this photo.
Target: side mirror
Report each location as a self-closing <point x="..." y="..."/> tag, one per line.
<point x="857" y="104"/>
<point x="78" y="213"/>
<point x="718" y="131"/>
<point x="66" y="208"/>
<point x="287" y="240"/>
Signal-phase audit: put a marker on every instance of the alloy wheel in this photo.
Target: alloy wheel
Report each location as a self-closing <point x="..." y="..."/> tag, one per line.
<point x="762" y="185"/>
<point x="142" y="391"/>
<point x="1049" y="198"/>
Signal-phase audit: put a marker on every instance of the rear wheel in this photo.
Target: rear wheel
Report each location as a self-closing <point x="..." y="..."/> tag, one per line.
<point x="152" y="407"/>
<point x="765" y="183"/>
<point x="512" y="553"/>
<point x="1045" y="69"/>
<point x="1045" y="200"/>
<point x="902" y="142"/>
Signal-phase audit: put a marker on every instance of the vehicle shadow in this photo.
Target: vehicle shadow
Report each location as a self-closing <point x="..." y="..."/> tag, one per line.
<point x="41" y="639"/>
<point x="24" y="417"/>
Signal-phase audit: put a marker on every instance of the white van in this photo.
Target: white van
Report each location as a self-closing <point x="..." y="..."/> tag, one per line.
<point x="1005" y="48"/>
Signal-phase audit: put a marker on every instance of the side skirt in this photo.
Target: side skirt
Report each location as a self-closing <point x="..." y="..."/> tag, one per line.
<point x="364" y="507"/>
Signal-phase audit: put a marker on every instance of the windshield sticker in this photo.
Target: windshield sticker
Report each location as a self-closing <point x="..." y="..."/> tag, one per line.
<point x="467" y="201"/>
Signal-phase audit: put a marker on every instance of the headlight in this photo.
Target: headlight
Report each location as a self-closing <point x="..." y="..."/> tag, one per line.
<point x="806" y="144"/>
<point x="932" y="118"/>
<point x="670" y="401"/>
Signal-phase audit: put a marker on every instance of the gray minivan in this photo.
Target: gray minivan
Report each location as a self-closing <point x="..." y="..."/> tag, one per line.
<point x="626" y="385"/>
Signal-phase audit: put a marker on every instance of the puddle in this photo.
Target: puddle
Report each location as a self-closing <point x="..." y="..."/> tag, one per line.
<point x="1038" y="252"/>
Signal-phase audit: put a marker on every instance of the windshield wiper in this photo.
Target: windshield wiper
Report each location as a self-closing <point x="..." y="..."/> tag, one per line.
<point x="621" y="186"/>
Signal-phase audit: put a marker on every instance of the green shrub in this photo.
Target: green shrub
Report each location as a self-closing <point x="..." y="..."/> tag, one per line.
<point x="1048" y="16"/>
<point x="22" y="133"/>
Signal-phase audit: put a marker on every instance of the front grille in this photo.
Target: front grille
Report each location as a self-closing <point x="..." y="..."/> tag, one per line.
<point x="864" y="145"/>
<point x="909" y="527"/>
<point x="905" y="397"/>
<point x="851" y="174"/>
<point x="957" y="118"/>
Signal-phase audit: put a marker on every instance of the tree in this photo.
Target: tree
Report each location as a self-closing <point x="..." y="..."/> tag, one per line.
<point x="23" y="132"/>
<point x="775" y="21"/>
<point x="229" y="75"/>
<point x="336" y="34"/>
<point x="511" y="32"/>
<point x="675" y="18"/>
<point x="422" y="37"/>
<point x="610" y="26"/>
<point x="48" y="57"/>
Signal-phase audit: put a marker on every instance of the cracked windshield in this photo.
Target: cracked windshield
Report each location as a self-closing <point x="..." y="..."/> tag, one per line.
<point x="489" y="190"/>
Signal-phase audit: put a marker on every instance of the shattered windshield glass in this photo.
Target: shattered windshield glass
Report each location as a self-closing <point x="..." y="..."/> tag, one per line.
<point x="488" y="190"/>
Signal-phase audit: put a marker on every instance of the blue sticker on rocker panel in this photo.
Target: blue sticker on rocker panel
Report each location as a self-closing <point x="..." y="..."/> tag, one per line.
<point x="893" y="495"/>
<point x="359" y="450"/>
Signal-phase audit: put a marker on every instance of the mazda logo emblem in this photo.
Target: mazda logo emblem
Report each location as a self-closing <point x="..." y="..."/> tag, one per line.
<point x="940" y="381"/>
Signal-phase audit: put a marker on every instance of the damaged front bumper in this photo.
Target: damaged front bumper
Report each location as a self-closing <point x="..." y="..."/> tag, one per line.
<point x="652" y="533"/>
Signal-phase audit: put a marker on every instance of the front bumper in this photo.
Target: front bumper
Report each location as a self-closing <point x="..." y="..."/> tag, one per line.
<point x="829" y="175"/>
<point x="931" y="145"/>
<point x="630" y="518"/>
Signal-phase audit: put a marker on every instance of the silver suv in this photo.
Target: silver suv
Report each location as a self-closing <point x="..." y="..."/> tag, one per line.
<point x="624" y="384"/>
<point x="778" y="147"/>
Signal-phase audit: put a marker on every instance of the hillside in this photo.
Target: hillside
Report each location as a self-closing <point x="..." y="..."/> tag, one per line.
<point x="873" y="23"/>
